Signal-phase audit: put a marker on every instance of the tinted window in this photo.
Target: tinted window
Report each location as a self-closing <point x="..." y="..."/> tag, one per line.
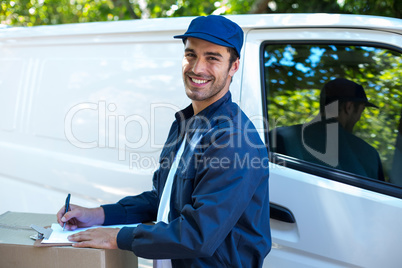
<point x="295" y="74"/>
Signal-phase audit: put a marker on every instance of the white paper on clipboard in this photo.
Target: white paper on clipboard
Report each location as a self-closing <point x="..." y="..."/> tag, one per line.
<point x="59" y="236"/>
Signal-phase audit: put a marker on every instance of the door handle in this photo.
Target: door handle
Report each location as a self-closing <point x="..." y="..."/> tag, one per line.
<point x="281" y="213"/>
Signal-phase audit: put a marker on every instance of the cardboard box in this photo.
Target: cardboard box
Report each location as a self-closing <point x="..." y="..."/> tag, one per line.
<point x="17" y="250"/>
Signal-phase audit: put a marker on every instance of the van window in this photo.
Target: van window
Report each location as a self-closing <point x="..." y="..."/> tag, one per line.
<point x="337" y="139"/>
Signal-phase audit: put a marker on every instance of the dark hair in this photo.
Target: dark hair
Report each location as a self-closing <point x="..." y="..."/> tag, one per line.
<point x="233" y="55"/>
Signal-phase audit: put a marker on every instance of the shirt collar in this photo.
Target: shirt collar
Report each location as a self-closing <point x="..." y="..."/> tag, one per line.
<point x="188" y="112"/>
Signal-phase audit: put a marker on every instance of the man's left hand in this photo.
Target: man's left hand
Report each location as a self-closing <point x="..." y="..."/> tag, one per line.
<point x="96" y="238"/>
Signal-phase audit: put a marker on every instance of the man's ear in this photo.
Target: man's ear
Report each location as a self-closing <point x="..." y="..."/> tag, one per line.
<point x="349" y="107"/>
<point x="235" y="66"/>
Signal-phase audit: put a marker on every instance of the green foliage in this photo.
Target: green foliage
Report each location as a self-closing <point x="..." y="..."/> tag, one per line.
<point x="44" y="12"/>
<point x="294" y="75"/>
<point x="388" y="8"/>
<point x="191" y="8"/>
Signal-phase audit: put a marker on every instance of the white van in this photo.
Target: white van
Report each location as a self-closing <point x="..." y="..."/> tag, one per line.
<point x="85" y="109"/>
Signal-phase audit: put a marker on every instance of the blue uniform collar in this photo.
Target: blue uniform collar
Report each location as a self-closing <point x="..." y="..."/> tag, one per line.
<point x="188" y="112"/>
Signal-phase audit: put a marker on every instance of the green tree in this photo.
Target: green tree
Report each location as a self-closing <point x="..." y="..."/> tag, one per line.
<point x="45" y="12"/>
<point x="295" y="73"/>
<point x="389" y="8"/>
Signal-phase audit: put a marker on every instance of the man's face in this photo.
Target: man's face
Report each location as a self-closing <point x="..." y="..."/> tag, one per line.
<point x="357" y="113"/>
<point x="353" y="113"/>
<point x="206" y="72"/>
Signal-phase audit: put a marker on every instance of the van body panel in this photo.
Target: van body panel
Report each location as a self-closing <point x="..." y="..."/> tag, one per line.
<point x="74" y="124"/>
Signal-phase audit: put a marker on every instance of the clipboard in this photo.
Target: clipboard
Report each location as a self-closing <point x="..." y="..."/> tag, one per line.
<point x="42" y="233"/>
<point x="55" y="237"/>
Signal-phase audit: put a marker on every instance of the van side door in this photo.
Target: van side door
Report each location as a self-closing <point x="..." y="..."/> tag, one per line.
<point x="323" y="214"/>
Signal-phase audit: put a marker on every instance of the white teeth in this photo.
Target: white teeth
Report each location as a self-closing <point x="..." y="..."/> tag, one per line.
<point x="198" y="81"/>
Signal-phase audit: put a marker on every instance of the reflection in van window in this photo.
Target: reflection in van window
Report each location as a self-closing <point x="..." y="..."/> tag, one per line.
<point x="369" y="143"/>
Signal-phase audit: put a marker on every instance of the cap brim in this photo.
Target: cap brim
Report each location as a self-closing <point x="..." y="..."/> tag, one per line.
<point x="205" y="37"/>
<point x="369" y="104"/>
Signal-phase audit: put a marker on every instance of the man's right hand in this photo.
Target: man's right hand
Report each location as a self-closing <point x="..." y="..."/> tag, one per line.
<point x="80" y="217"/>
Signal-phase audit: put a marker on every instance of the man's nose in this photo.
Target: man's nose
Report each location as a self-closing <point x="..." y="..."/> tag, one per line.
<point x="199" y="66"/>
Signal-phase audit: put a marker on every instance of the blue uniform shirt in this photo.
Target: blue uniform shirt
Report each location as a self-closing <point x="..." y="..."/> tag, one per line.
<point x="219" y="207"/>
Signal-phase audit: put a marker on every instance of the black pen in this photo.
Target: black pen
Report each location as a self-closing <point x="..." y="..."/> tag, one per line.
<point x="67" y="206"/>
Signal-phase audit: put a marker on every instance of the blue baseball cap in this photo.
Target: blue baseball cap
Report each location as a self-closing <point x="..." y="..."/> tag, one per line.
<point x="215" y="29"/>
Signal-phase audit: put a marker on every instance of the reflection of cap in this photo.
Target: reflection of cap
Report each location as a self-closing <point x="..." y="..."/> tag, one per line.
<point x="344" y="90"/>
<point x="215" y="29"/>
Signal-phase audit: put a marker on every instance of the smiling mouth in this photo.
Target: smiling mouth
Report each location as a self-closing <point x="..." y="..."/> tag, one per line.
<point x="198" y="81"/>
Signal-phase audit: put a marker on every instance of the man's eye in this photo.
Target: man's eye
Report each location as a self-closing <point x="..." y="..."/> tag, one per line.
<point x="212" y="58"/>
